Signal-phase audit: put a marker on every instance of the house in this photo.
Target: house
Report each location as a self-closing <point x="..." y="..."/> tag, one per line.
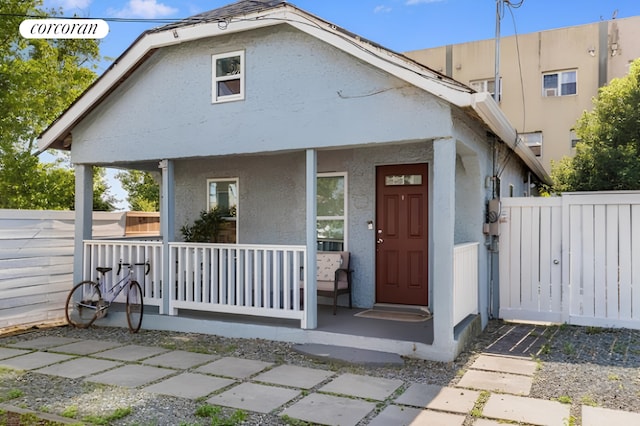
<point x="551" y="75"/>
<point x="315" y="137"/>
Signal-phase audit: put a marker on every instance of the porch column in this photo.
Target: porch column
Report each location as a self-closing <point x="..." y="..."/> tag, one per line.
<point x="444" y="177"/>
<point x="167" y="222"/>
<point x="83" y="217"/>
<point x="310" y="319"/>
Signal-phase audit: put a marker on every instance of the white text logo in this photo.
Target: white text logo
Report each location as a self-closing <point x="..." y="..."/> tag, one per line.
<point x="64" y="28"/>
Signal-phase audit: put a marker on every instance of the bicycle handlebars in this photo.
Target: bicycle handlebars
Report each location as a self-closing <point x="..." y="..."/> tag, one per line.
<point x="147" y="264"/>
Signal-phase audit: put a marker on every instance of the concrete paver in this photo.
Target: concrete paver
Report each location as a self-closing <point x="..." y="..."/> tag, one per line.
<point x="238" y="368"/>
<point x="502" y="364"/>
<point x="439" y="398"/>
<point x="488" y="422"/>
<point x="362" y="386"/>
<point x="497" y="382"/>
<point x="78" y="367"/>
<point x="86" y="347"/>
<point x="189" y="385"/>
<point x="179" y="359"/>
<point x="34" y="360"/>
<point x="330" y="410"/>
<point x="131" y="376"/>
<point x="10" y="353"/>
<point x="526" y="410"/>
<point x="44" y="342"/>
<point x="254" y="397"/>
<point x="404" y="416"/>
<point x="291" y="375"/>
<point x="131" y="352"/>
<point x="597" y="416"/>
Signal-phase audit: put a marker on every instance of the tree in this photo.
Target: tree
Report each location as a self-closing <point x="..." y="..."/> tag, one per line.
<point x="39" y="79"/>
<point x="608" y="154"/>
<point x="143" y="191"/>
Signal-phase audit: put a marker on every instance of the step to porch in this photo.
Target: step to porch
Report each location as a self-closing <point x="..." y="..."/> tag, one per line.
<point x="344" y="354"/>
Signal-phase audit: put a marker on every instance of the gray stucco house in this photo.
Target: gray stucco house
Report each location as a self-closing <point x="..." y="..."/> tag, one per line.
<point x="317" y="139"/>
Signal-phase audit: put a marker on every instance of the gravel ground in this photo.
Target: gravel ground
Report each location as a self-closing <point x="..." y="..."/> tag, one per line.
<point x="577" y="365"/>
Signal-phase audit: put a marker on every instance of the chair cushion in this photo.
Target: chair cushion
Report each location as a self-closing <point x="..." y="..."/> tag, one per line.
<point x="327" y="265"/>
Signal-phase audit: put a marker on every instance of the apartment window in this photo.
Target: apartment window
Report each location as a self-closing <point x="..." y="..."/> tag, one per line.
<point x="223" y="195"/>
<point x="332" y="211"/>
<point x="534" y="141"/>
<point x="561" y="83"/>
<point x="487" y="85"/>
<point x="228" y="77"/>
<point x="574" y="138"/>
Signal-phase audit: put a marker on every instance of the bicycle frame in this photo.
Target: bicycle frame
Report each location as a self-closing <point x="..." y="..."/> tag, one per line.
<point x="117" y="288"/>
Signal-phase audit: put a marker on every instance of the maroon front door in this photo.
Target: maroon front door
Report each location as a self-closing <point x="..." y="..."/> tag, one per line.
<point x="402" y="234"/>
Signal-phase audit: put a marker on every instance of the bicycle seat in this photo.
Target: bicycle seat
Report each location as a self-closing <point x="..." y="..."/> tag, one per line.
<point x="103" y="270"/>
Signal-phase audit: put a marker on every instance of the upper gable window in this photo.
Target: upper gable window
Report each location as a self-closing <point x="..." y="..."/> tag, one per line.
<point x="561" y="83"/>
<point x="228" y="77"/>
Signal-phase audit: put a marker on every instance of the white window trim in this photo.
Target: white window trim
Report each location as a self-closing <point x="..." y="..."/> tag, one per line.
<point x="346" y="205"/>
<point x="485" y="85"/>
<point x="215" y="79"/>
<point x="546" y="92"/>
<point x="208" y="206"/>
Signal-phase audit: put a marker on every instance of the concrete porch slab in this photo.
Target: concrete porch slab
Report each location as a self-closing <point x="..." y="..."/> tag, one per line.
<point x="10" y="353"/>
<point x="526" y="410"/>
<point x="86" y="347"/>
<point x="131" y="376"/>
<point x="348" y="355"/>
<point x="401" y="416"/>
<point x="496" y="382"/>
<point x="439" y="398"/>
<point x="131" y="353"/>
<point x="78" y="367"/>
<point x="362" y="386"/>
<point x="182" y="360"/>
<point x="44" y="342"/>
<point x="294" y="376"/>
<point x="237" y="368"/>
<point x="254" y="397"/>
<point x="189" y="385"/>
<point x="596" y="416"/>
<point x="330" y="410"/>
<point x="34" y="360"/>
<point x="503" y="364"/>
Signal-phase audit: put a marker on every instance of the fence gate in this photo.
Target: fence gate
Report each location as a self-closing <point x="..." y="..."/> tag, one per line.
<point x="573" y="259"/>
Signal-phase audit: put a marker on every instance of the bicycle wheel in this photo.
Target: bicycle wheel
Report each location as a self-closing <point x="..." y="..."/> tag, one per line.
<point x="82" y="304"/>
<point x="134" y="306"/>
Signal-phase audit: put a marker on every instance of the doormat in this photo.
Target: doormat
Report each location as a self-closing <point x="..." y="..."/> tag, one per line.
<point x="394" y="315"/>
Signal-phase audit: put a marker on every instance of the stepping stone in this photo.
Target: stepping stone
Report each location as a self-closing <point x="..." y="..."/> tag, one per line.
<point x="496" y="382"/>
<point x="362" y="386"/>
<point x="78" y="367"/>
<point x="10" y="353"/>
<point x="596" y="416"/>
<point x="330" y="410"/>
<point x="439" y="398"/>
<point x="179" y="359"/>
<point x="503" y="364"/>
<point x="394" y="415"/>
<point x="254" y="397"/>
<point x="131" y="376"/>
<point x="294" y="376"/>
<point x="86" y="347"/>
<point x="237" y="368"/>
<point x="34" y="360"/>
<point x="131" y="353"/>
<point x="190" y="385"/>
<point x="527" y="410"/>
<point x="487" y="422"/>
<point x="43" y="342"/>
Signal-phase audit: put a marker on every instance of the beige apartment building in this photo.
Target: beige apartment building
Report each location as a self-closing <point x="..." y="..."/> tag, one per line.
<point x="545" y="91"/>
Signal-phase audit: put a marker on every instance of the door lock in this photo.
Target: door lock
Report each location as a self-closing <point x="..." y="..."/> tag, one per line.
<point x="380" y="241"/>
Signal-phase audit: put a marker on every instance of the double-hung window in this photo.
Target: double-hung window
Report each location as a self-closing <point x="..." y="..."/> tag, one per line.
<point x="560" y="83"/>
<point x="331" y="211"/>
<point x="228" y="77"/>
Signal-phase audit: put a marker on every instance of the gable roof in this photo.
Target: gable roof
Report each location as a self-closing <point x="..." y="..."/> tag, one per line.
<point x="247" y="15"/>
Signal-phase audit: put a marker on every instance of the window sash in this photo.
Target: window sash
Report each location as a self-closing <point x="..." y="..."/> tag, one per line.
<point x="228" y="76"/>
<point x="331" y="225"/>
<point x="562" y="83"/>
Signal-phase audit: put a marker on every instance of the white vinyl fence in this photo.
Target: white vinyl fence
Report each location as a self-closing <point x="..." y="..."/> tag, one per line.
<point x="572" y="259"/>
<point x="36" y="262"/>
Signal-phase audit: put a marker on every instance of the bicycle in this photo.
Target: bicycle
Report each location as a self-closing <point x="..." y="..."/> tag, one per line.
<point x="85" y="302"/>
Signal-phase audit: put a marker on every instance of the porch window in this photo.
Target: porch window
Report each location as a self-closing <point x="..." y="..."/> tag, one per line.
<point x="331" y="224"/>
<point x="228" y="77"/>
<point x="223" y="195"/>
<point x="561" y="83"/>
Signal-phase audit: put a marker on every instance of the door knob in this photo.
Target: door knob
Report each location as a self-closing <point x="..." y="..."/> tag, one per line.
<point x="380" y="240"/>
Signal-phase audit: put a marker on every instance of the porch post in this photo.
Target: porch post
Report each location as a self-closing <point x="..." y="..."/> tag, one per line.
<point x="310" y="319"/>
<point x="167" y="221"/>
<point x="83" y="217"/>
<point x="443" y="215"/>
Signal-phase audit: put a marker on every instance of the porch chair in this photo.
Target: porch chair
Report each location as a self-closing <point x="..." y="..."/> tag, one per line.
<point x="333" y="275"/>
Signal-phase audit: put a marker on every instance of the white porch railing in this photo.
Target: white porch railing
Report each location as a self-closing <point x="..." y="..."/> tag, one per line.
<point x="108" y="253"/>
<point x="240" y="279"/>
<point x="465" y="281"/>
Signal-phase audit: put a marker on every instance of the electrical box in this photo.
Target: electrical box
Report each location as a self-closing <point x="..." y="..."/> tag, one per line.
<point x="494" y="209"/>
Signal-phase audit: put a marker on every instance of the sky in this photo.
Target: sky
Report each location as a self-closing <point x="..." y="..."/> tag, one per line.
<point x="399" y="25"/>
